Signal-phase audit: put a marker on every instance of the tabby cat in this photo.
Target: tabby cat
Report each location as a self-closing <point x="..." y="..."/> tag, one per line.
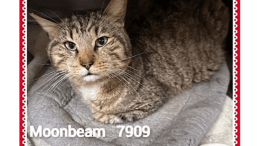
<point x="125" y="73"/>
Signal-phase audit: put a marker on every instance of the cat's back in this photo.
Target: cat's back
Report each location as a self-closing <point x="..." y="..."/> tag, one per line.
<point x="183" y="43"/>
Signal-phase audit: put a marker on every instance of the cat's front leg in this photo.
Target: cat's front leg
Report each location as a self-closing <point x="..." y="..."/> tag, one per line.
<point x="107" y="118"/>
<point x="121" y="117"/>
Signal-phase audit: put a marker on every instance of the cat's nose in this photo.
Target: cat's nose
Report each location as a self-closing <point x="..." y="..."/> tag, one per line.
<point x="88" y="65"/>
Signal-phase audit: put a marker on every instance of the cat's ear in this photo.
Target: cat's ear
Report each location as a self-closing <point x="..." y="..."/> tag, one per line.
<point x="116" y="10"/>
<point x="51" y="28"/>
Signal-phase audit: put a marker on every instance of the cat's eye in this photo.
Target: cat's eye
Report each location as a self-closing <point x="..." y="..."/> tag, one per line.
<point x="100" y="42"/>
<point x="70" y="45"/>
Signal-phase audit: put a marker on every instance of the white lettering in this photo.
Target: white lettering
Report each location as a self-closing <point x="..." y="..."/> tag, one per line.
<point x="55" y="132"/>
<point x="72" y="130"/>
<point x="80" y="132"/>
<point x="67" y="132"/>
<point x="48" y="131"/>
<point x="36" y="134"/>
<point x="88" y="132"/>
<point x="97" y="132"/>
<point x="63" y="130"/>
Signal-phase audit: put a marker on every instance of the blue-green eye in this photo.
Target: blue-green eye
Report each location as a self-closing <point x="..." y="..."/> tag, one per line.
<point x="70" y="45"/>
<point x="100" y="42"/>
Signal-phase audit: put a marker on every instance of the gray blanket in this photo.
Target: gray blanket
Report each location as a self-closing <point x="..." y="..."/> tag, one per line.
<point x="183" y="121"/>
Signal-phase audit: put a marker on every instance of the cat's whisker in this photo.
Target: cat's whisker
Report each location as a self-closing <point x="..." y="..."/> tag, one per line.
<point x="138" y="82"/>
<point x="54" y="14"/>
<point x="66" y="80"/>
<point x="44" y="64"/>
<point x="56" y="84"/>
<point x="52" y="72"/>
<point x="125" y="82"/>
<point x="111" y="76"/>
<point x="134" y="69"/>
<point x="130" y="76"/>
<point x="53" y="77"/>
<point x="102" y="6"/>
<point x="51" y="19"/>
<point x="56" y="76"/>
<point x="121" y="82"/>
<point x="51" y="89"/>
<point x="134" y="56"/>
<point x="129" y="83"/>
<point x="134" y="73"/>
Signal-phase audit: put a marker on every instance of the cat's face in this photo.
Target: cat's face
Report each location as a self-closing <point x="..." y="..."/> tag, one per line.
<point x="90" y="48"/>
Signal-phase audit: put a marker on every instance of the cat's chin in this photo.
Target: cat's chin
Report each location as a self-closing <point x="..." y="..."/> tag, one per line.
<point x="91" y="78"/>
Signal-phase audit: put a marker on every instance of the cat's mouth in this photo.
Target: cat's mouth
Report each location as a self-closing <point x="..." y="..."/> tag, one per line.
<point x="91" y="77"/>
<point x="89" y="73"/>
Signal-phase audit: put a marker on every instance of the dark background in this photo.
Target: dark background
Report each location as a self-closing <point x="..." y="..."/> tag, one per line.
<point x="64" y="8"/>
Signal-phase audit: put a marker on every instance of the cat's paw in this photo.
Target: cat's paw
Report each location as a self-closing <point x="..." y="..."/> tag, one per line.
<point x="132" y="116"/>
<point x="120" y="118"/>
<point x="107" y="118"/>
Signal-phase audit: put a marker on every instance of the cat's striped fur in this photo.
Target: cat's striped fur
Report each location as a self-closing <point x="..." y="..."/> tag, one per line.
<point x="118" y="83"/>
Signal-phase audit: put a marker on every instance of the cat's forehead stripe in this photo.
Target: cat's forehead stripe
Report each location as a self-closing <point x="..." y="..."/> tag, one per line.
<point x="94" y="23"/>
<point x="83" y="25"/>
<point x="54" y="43"/>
